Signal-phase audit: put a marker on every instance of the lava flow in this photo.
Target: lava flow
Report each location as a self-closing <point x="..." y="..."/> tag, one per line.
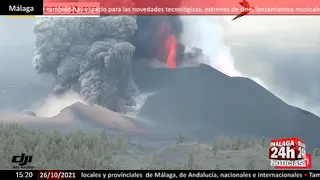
<point x="166" y="45"/>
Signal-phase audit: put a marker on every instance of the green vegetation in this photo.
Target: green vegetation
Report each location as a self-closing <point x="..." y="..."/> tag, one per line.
<point x="74" y="150"/>
<point x="191" y="162"/>
<point x="263" y="142"/>
<point x="251" y="164"/>
<point x="54" y="150"/>
<point x="80" y="150"/>
<point x="316" y="152"/>
<point x="180" y="139"/>
<point x="237" y="144"/>
<point x="215" y="149"/>
<point x="217" y="166"/>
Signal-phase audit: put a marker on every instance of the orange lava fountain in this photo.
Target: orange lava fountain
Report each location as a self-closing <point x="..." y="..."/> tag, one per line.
<point x="166" y="45"/>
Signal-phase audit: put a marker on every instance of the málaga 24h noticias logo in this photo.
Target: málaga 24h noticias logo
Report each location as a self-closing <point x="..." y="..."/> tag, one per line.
<point x="289" y="153"/>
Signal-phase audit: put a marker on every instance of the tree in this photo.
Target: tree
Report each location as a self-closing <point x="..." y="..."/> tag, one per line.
<point x="119" y="141"/>
<point x="237" y="143"/>
<point x="247" y="144"/>
<point x="263" y="142"/>
<point x="251" y="164"/>
<point x="17" y="147"/>
<point x="217" y="166"/>
<point x="316" y="152"/>
<point x="67" y="156"/>
<point x="154" y="160"/>
<point x="253" y="142"/>
<point x="41" y="160"/>
<point x="191" y="162"/>
<point x="104" y="135"/>
<point x="215" y="149"/>
<point x="180" y="139"/>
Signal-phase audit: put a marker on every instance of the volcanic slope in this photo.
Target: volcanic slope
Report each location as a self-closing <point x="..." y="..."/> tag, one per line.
<point x="76" y="116"/>
<point x="203" y="101"/>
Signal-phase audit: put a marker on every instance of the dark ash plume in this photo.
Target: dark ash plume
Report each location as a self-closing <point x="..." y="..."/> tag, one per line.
<point x="94" y="56"/>
<point x="89" y="55"/>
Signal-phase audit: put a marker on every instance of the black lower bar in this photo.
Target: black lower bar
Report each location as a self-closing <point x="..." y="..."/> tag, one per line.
<point x="156" y="174"/>
<point x="21" y="7"/>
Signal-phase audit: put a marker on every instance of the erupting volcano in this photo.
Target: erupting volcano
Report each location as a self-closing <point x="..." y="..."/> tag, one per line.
<point x="166" y="44"/>
<point x="99" y="63"/>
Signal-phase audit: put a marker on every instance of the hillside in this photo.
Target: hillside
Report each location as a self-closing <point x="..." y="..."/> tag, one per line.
<point x="74" y="117"/>
<point x="56" y="150"/>
<point x="205" y="102"/>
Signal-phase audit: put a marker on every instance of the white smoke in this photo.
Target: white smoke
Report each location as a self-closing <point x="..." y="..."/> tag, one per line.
<point x="139" y="102"/>
<point x="53" y="105"/>
<point x="207" y="33"/>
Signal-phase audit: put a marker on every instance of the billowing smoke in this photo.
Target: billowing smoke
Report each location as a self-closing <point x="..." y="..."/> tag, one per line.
<point x="94" y="56"/>
<point x="210" y="39"/>
<point x="88" y="55"/>
<point x="53" y="105"/>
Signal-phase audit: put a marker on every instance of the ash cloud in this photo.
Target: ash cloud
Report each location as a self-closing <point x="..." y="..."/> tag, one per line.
<point x="94" y="56"/>
<point x="88" y="55"/>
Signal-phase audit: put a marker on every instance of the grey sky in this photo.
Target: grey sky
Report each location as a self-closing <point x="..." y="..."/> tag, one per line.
<point x="20" y="85"/>
<point x="15" y="32"/>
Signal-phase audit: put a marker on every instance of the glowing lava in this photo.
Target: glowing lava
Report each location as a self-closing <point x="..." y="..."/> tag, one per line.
<point x="166" y="47"/>
<point x="172" y="51"/>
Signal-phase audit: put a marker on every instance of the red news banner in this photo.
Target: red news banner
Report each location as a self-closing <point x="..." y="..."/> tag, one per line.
<point x="181" y="7"/>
